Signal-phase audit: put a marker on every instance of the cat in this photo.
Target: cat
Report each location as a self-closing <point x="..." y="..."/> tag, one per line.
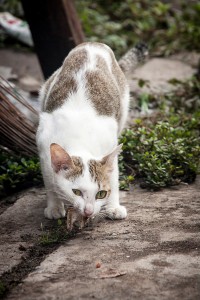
<point x="84" y="109"/>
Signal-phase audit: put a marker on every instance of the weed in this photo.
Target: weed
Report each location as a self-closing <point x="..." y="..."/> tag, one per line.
<point x="164" y="150"/>
<point x="17" y="172"/>
<point x="163" y="154"/>
<point x="55" y="235"/>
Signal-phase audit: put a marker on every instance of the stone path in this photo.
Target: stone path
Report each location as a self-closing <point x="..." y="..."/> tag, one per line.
<point x="153" y="254"/>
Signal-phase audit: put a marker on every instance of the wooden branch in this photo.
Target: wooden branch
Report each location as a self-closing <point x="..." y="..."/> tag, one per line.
<point x="16" y="131"/>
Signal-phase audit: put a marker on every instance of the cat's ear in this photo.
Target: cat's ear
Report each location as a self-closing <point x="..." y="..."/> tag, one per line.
<point x="60" y="159"/>
<point x="109" y="159"/>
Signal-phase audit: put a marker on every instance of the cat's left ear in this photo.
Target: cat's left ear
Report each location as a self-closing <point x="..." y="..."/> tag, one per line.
<point x="109" y="159"/>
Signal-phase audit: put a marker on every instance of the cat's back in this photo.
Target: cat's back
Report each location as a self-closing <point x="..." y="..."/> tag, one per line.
<point x="89" y="74"/>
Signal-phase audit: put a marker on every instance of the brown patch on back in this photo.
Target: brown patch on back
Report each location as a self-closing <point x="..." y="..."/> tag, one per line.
<point x="47" y="87"/>
<point x="120" y="78"/>
<point x="99" y="174"/>
<point x="77" y="170"/>
<point x="119" y="75"/>
<point x="102" y="89"/>
<point x="65" y="83"/>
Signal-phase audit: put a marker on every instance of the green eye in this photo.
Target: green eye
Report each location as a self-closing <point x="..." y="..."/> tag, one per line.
<point x="77" y="192"/>
<point x="101" y="194"/>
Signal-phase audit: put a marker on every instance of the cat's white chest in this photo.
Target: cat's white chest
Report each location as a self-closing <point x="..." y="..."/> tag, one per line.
<point x="78" y="130"/>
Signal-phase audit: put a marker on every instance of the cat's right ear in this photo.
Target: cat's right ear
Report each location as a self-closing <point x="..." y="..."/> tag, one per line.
<point x="60" y="159"/>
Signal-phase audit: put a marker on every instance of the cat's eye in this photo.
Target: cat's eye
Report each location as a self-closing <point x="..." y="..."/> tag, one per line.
<point x="77" y="192"/>
<point x="101" y="194"/>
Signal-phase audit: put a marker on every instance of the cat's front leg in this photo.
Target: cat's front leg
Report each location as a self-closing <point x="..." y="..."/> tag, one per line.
<point x="55" y="207"/>
<point x="113" y="208"/>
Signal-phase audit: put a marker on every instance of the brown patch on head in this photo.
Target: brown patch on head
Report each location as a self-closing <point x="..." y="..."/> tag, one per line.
<point x="77" y="169"/>
<point x="62" y="161"/>
<point x="65" y="83"/>
<point x="100" y="170"/>
<point x="99" y="174"/>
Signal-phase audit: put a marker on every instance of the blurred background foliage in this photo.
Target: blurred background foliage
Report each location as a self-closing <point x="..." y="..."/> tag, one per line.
<point x="166" y="26"/>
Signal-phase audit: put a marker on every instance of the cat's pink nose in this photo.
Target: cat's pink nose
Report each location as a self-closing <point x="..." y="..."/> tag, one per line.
<point x="88" y="211"/>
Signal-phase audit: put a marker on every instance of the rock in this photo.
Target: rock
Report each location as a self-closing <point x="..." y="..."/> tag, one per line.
<point x="157" y="72"/>
<point x="6" y="73"/>
<point x="29" y="83"/>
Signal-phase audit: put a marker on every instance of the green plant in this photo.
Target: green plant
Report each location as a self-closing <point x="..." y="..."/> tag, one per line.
<point x="164" y="153"/>
<point x="56" y="235"/>
<point x="17" y="172"/>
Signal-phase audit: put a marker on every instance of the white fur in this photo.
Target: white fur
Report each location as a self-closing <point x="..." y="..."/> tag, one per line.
<point x="81" y="132"/>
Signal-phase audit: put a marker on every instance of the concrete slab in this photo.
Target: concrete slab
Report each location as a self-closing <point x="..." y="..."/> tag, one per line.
<point x="153" y="254"/>
<point x="20" y="227"/>
<point x="21" y="63"/>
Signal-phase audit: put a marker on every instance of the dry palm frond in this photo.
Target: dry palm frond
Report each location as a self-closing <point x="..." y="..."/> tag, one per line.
<point x="17" y="132"/>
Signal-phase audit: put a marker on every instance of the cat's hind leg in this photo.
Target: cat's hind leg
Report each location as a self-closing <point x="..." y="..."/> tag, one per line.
<point x="113" y="208"/>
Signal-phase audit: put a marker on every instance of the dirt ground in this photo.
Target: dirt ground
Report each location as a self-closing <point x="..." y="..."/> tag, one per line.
<point x="153" y="254"/>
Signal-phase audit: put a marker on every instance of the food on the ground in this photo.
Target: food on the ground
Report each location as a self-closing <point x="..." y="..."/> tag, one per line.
<point x="73" y="218"/>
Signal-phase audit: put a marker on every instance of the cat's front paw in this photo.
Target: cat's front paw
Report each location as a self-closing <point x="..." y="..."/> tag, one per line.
<point x="54" y="212"/>
<point x="117" y="213"/>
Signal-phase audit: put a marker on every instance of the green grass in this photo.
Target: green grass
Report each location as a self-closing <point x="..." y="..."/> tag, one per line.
<point x="55" y="235"/>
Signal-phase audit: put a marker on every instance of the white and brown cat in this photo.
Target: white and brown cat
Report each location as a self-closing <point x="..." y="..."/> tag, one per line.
<point x="84" y="109"/>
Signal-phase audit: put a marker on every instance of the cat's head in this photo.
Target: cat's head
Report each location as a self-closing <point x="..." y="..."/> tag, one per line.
<point x="84" y="183"/>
